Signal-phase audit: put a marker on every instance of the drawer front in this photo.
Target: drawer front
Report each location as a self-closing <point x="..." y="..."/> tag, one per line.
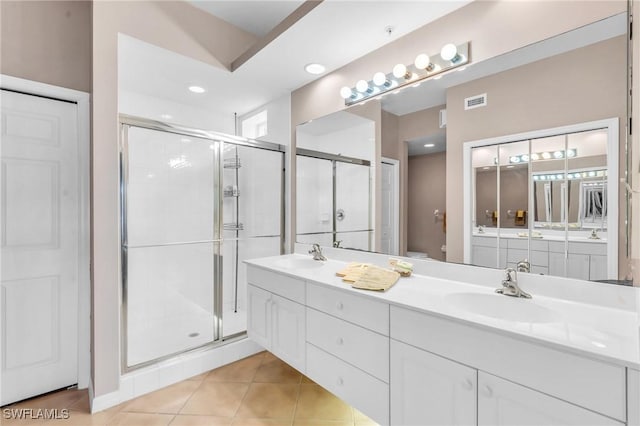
<point x="539" y="244"/>
<point x="283" y="285"/>
<point x="588" y="248"/>
<point x="354" y="386"/>
<point x="357" y="309"/>
<point x="513" y="243"/>
<point x="516" y="255"/>
<point x="485" y="241"/>
<point x="358" y="346"/>
<point x="556" y="246"/>
<point x="540" y="258"/>
<point x="592" y="384"/>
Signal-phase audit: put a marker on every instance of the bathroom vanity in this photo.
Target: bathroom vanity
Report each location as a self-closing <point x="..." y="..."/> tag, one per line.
<point x="442" y="348"/>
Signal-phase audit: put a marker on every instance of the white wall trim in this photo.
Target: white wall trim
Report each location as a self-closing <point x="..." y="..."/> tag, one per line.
<point x="84" y="144"/>
<point x="165" y="373"/>
<point x="613" y="182"/>
<point x="396" y="202"/>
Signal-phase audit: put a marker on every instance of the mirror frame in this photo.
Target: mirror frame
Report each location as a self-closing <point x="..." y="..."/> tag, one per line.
<point x="613" y="141"/>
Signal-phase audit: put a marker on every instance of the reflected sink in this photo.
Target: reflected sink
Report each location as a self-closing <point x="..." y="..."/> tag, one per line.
<point x="502" y="307"/>
<point x="299" y="263"/>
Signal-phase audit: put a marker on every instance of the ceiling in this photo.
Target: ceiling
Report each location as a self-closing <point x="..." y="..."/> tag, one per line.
<point x="330" y="34"/>
<point x="255" y="17"/>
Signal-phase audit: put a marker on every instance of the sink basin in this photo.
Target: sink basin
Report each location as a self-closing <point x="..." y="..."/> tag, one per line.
<point x="502" y="307"/>
<point x="299" y="263"/>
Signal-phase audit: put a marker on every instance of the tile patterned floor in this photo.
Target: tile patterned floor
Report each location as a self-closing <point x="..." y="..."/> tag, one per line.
<point x="259" y="390"/>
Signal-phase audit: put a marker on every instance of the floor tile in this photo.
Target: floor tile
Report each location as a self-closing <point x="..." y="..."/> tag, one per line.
<point x="194" y="420"/>
<point x="277" y="371"/>
<point x="140" y="419"/>
<point x="216" y="399"/>
<point x="269" y="401"/>
<point x="60" y="400"/>
<point x="309" y="422"/>
<point x="199" y="377"/>
<point x="261" y="422"/>
<point x="318" y="404"/>
<point x="362" y="420"/>
<point x="307" y="381"/>
<point x="82" y="404"/>
<point x="168" y="400"/>
<point x="239" y="371"/>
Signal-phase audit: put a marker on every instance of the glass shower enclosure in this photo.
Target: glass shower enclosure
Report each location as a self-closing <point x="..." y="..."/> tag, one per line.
<point x="194" y="204"/>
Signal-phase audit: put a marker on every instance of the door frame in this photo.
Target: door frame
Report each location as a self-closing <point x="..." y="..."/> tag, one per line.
<point x="82" y="100"/>
<point x="396" y="201"/>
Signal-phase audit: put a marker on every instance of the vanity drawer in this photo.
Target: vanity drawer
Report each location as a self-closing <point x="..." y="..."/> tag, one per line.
<point x="357" y="309"/>
<point x="485" y="241"/>
<point x="588" y="248"/>
<point x="282" y="285"/>
<point x="583" y="381"/>
<point x="352" y="385"/>
<point x="363" y="348"/>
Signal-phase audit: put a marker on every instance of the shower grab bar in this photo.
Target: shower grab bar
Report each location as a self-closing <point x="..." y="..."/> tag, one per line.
<point x="180" y="243"/>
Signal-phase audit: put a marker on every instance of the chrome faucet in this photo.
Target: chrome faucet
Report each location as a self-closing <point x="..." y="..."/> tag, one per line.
<point x="510" y="285"/>
<point x="523" y="266"/>
<point x="316" y="251"/>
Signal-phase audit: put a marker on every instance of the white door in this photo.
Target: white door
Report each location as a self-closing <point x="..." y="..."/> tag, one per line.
<point x="390" y="228"/>
<point x="503" y="403"/>
<point x="430" y="390"/>
<point x="40" y="243"/>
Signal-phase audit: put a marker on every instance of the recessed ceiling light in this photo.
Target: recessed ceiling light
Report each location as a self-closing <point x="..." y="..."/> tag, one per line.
<point x="314" y="68"/>
<point x="197" y="89"/>
<point x="166" y="116"/>
<point x="429" y="145"/>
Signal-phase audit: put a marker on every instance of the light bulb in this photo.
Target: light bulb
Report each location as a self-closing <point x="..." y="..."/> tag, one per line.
<point x="535" y="156"/>
<point x="546" y="155"/>
<point x="422" y="61"/>
<point x="449" y="52"/>
<point x="346" y="92"/>
<point x="379" y="79"/>
<point x="571" y="153"/>
<point x="400" y="71"/>
<point x="558" y="154"/>
<point x="525" y="157"/>
<point x="514" y="159"/>
<point x="362" y="86"/>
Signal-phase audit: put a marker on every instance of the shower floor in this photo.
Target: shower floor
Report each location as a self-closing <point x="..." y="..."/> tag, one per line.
<point x="168" y="336"/>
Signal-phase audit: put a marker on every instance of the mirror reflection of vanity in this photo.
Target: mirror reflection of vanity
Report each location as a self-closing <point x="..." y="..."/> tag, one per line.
<point x="544" y="198"/>
<point x="561" y="214"/>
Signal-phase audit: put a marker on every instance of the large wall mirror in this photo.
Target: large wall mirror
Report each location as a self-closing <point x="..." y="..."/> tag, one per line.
<point x="573" y="78"/>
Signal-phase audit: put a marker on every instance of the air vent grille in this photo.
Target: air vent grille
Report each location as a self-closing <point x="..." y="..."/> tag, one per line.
<point x="475" y="101"/>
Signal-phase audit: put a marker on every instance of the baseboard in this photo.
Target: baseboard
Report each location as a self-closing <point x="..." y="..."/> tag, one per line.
<point x="165" y="373"/>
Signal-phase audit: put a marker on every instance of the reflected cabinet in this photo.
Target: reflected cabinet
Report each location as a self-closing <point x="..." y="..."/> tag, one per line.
<point x="548" y="198"/>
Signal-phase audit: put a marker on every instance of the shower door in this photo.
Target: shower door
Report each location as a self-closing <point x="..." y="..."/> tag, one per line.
<point x="170" y="243"/>
<point x="352" y="200"/>
<point x="253" y="182"/>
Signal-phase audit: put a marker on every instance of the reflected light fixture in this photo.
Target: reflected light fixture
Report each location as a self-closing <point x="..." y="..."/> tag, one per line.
<point x="314" y="69"/>
<point x="197" y="89"/>
<point x="166" y="116"/>
<point x="402" y="75"/>
<point x="429" y="145"/>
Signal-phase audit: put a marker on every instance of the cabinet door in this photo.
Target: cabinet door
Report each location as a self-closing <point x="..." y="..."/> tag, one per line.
<point x="430" y="390"/>
<point x="578" y="266"/>
<point x="484" y="256"/>
<point x="598" y="267"/>
<point x="505" y="403"/>
<point x="258" y="314"/>
<point x="288" y="327"/>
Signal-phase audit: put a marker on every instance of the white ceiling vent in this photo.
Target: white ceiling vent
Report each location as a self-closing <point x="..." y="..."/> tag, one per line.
<point x="475" y="101"/>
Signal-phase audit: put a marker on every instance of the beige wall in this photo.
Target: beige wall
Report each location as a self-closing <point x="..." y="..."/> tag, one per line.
<point x="561" y="90"/>
<point x="183" y="29"/>
<point x="47" y="41"/>
<point x="427" y="192"/>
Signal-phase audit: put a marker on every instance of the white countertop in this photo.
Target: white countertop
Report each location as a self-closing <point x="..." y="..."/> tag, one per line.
<point x="544" y="237"/>
<point x="602" y="331"/>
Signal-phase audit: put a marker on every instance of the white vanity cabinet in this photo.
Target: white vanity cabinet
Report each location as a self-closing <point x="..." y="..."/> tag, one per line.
<point x="430" y="390"/>
<point x="543" y="385"/>
<point x="348" y="348"/>
<point x="275" y="322"/>
<point x="503" y="403"/>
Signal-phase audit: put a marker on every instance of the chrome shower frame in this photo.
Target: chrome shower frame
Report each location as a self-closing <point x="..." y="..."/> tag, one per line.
<point x="126" y="122"/>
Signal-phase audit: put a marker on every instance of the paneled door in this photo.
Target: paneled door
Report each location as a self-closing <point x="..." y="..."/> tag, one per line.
<point x="40" y="243"/>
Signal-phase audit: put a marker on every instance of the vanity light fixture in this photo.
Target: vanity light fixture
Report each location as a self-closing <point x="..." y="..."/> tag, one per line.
<point x="572" y="176"/>
<point x="314" y="69"/>
<point x="423" y="67"/>
<point x="535" y="156"/>
<point x="197" y="89"/>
